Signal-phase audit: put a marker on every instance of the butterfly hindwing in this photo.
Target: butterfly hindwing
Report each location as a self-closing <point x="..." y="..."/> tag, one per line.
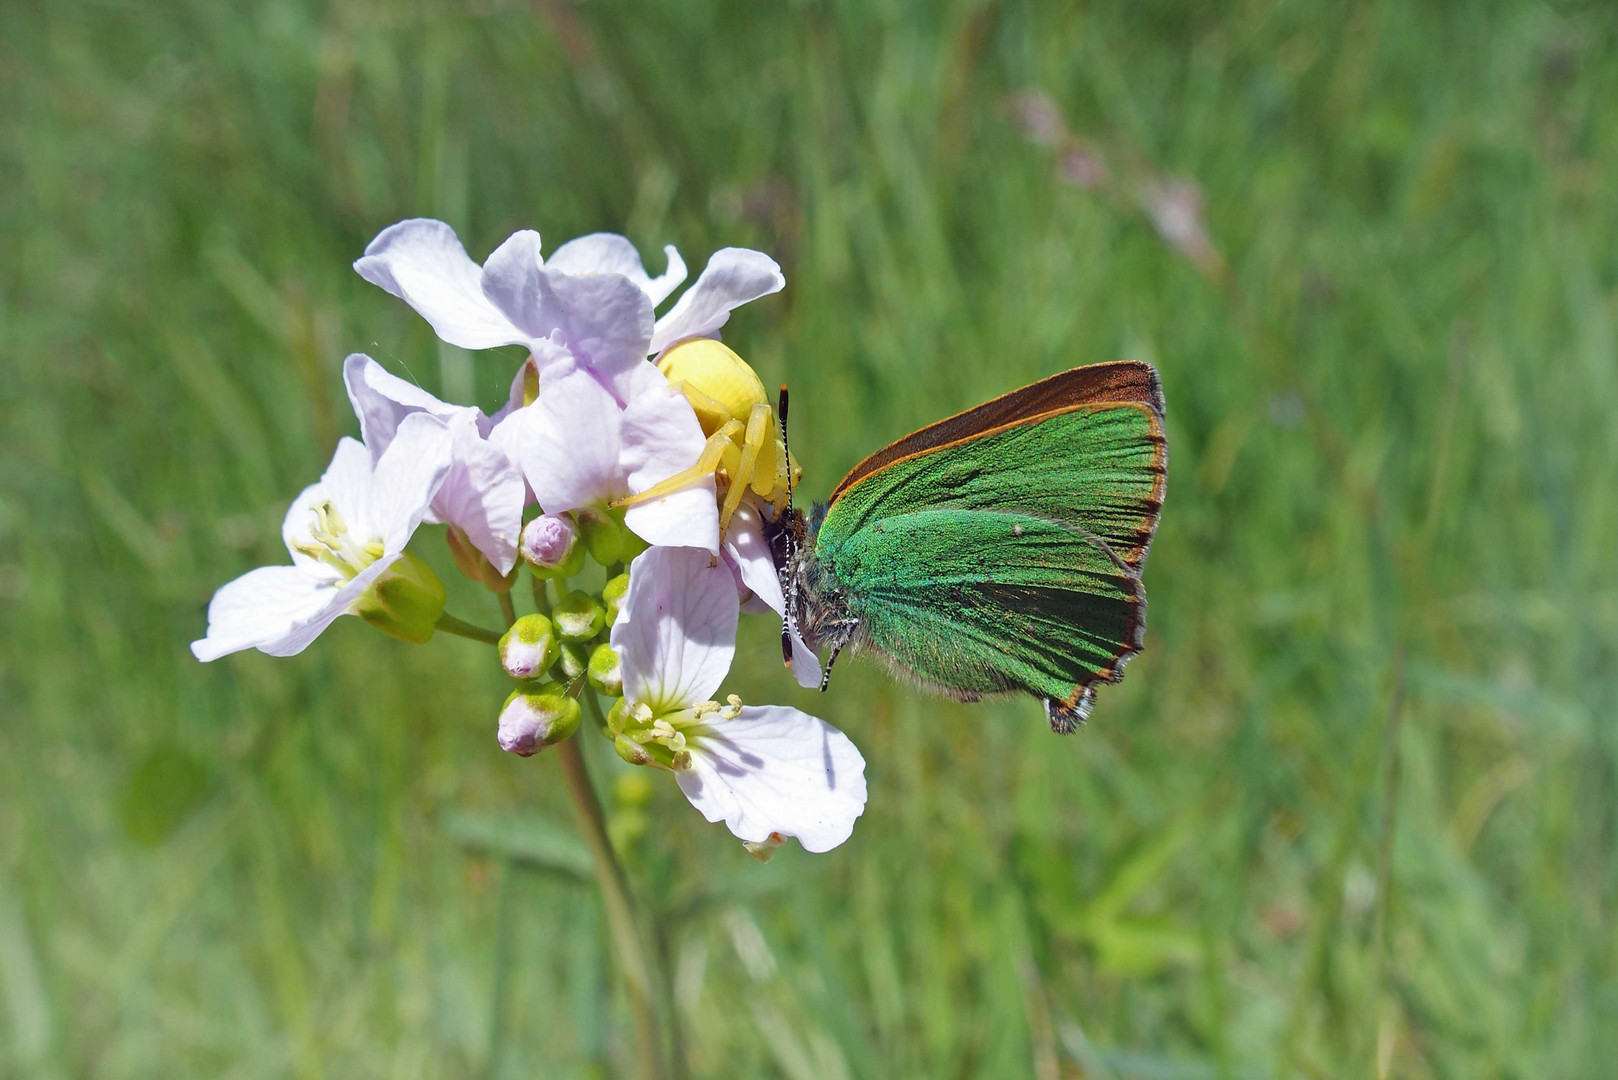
<point x="979" y="602"/>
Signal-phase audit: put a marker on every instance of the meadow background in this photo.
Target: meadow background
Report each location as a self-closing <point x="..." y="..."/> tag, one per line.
<point x="1354" y="811"/>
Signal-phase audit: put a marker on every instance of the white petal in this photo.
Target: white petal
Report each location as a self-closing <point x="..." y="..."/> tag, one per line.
<point x="408" y="475"/>
<point x="568" y="443"/>
<point x="732" y="277"/>
<point x="421" y="262"/>
<point x="346" y="484"/>
<point x="676" y="632"/>
<point x="749" y="552"/>
<point x="609" y="253"/>
<point x="774" y="769"/>
<point x="661" y="437"/>
<point x="805" y="663"/>
<point x="298" y="523"/>
<point x="279" y="609"/>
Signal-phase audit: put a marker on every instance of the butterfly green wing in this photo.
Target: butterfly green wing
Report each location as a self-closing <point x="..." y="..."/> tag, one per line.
<point x="1009" y="558"/>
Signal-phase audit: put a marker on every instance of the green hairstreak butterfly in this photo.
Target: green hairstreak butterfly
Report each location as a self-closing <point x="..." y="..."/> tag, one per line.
<point x="997" y="551"/>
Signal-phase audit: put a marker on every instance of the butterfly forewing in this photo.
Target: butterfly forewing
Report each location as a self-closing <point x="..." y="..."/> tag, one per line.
<point x="1001" y="549"/>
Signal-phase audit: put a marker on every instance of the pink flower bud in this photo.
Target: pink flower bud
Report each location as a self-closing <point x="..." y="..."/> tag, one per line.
<point x="549" y="542"/>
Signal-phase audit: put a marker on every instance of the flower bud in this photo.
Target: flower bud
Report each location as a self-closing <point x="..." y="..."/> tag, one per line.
<point x="574" y="660"/>
<point x="605" y="673"/>
<point x="550" y="544"/>
<point x="475" y="565"/>
<point x="405" y="602"/>
<point x="529" y="648"/>
<point x="610" y="541"/>
<point x="578" y="616"/>
<point x="532" y="720"/>
<point x="612" y="595"/>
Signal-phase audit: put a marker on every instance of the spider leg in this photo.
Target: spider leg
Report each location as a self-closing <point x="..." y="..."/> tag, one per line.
<point x="758" y="429"/>
<point x="713" y="455"/>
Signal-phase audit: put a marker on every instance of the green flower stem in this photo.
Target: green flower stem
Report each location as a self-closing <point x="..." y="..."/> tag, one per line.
<point x="542" y="600"/>
<point x="451" y="625"/>
<point x="507" y="608"/>
<point x="626" y="935"/>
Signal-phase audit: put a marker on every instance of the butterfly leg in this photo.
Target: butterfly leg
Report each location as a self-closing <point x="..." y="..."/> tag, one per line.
<point x="719" y="452"/>
<point x="843" y="632"/>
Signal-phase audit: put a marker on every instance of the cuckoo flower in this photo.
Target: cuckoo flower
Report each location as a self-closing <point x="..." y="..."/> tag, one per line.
<point x="592" y="300"/>
<point x="581" y="450"/>
<point x="484" y="493"/>
<point x="767" y="771"/>
<point x="347" y="536"/>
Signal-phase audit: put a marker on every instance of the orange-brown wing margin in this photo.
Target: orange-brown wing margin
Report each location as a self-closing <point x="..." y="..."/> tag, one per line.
<point x="1115" y="382"/>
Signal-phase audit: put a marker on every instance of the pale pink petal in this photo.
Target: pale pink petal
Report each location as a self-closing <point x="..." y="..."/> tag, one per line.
<point x="513" y="282"/>
<point x="774" y="769"/>
<point x="605" y="320"/>
<point x="676" y="631"/>
<point x="609" y="253"/>
<point x="569" y="444"/>
<point x="408" y="475"/>
<point x="421" y="262"/>
<point x="661" y="437"/>
<point x="732" y="277"/>
<point x="381" y="400"/>
<point x="483" y="495"/>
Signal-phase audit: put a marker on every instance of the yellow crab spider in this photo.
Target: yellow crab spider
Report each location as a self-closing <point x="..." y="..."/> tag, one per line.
<point x="744" y="451"/>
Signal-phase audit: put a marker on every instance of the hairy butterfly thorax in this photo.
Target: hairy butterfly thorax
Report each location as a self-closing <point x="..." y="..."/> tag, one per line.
<point x="997" y="551"/>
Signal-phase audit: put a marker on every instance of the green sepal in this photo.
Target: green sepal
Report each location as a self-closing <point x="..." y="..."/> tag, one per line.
<point x="474" y="565"/>
<point x="405" y="602"/>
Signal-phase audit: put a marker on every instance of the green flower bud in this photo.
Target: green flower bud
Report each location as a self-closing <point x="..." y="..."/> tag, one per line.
<point x="475" y="565"/>
<point x="405" y="602"/>
<point x="529" y="648"/>
<point x="605" y="673"/>
<point x="578" y="616"/>
<point x="652" y="754"/>
<point x="631" y="751"/>
<point x="574" y="660"/>
<point x="612" y="595"/>
<point x="532" y="720"/>
<point x="608" y="538"/>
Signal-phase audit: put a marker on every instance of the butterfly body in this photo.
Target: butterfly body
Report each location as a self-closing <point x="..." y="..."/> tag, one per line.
<point x="999" y="550"/>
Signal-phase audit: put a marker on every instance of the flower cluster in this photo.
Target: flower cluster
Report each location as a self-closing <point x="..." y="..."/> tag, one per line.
<point x="628" y="440"/>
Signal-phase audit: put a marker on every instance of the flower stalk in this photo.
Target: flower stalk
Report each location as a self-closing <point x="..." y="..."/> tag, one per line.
<point x="628" y="943"/>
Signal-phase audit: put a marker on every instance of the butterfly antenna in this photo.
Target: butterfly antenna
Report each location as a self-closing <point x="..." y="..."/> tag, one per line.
<point x="781" y="411"/>
<point x="790" y="623"/>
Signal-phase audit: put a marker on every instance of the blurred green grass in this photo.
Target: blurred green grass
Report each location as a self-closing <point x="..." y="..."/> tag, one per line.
<point x="1353" y="811"/>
